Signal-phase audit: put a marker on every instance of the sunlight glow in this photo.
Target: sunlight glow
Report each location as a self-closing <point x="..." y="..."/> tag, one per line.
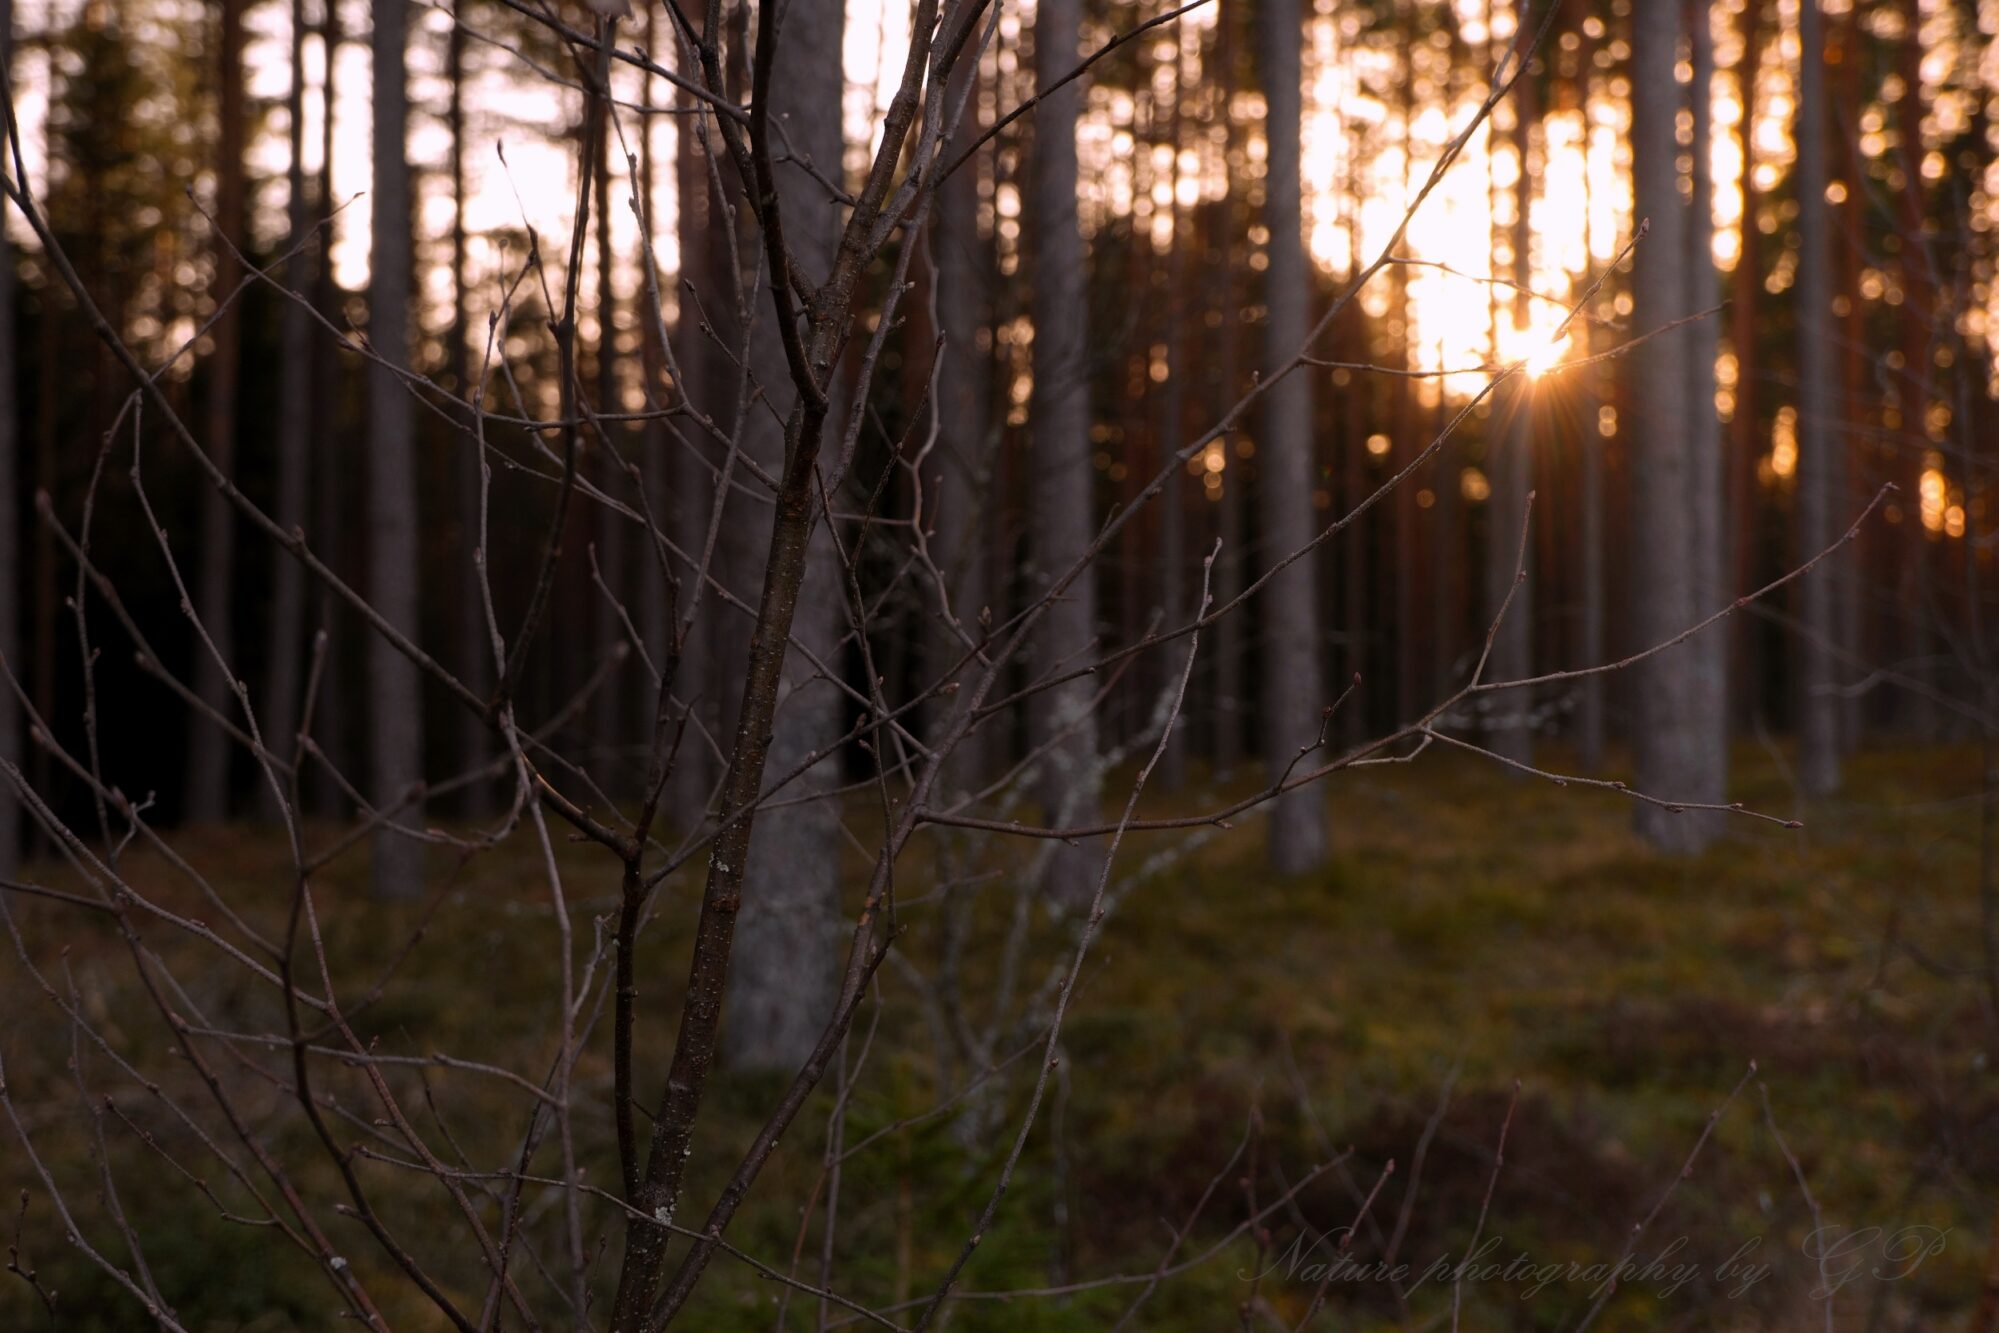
<point x="1543" y="358"/>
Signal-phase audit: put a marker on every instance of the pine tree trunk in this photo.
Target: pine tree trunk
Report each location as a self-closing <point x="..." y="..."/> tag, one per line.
<point x="702" y="299"/>
<point x="10" y="510"/>
<point x="1292" y="669"/>
<point x="1666" y="685"/>
<point x="474" y="647"/>
<point x="208" y="748"/>
<point x="331" y="468"/>
<point x="1169" y="429"/>
<point x="394" y="703"/>
<point x="1708" y="658"/>
<point x="787" y="945"/>
<point x="1745" y="442"/>
<point x="608" y="725"/>
<point x="656" y="611"/>
<point x="1226" y="703"/>
<point x="1059" y="520"/>
<point x="285" y="632"/>
<point x="1512" y="479"/>
<point x="1590" y="728"/>
<point x="961" y="471"/>
<point x="1592" y="444"/>
<point x="1818" y="425"/>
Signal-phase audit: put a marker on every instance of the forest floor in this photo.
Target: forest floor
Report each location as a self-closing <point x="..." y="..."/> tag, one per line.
<point x="1473" y="934"/>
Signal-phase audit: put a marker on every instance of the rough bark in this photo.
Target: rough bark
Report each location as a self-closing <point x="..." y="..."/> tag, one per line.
<point x="208" y="746"/>
<point x="784" y="974"/>
<point x="1292" y="669"/>
<point x="1059" y="519"/>
<point x="1818" y="476"/>
<point x="394" y="704"/>
<point x="1666" y="685"/>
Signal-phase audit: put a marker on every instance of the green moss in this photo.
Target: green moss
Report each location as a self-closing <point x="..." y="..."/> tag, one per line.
<point x="1500" y="929"/>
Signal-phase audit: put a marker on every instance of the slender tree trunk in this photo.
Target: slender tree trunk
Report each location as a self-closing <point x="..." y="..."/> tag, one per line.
<point x="787" y="944"/>
<point x="1666" y="685"/>
<point x="1746" y="434"/>
<point x="1512" y="736"/>
<point x="208" y="747"/>
<point x="394" y="703"/>
<point x="1708" y="656"/>
<point x="285" y="630"/>
<point x="1447" y="565"/>
<point x="1817" y="498"/>
<point x="1925" y="646"/>
<point x="962" y="469"/>
<point x="1590" y="729"/>
<point x="1399" y="512"/>
<point x="1875" y="550"/>
<point x="1226" y="702"/>
<point x="332" y="465"/>
<point x="10" y="511"/>
<point x="1591" y="446"/>
<point x="474" y="648"/>
<point x="1357" y="547"/>
<point x="608" y="723"/>
<point x="702" y="300"/>
<point x="1292" y="670"/>
<point x="1060" y="524"/>
<point x="656" y="612"/>
<point x="1169" y="429"/>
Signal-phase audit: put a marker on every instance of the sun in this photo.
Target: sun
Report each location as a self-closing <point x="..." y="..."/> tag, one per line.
<point x="1543" y="356"/>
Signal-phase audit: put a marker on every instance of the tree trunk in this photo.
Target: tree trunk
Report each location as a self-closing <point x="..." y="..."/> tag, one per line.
<point x="787" y="944"/>
<point x="655" y="613"/>
<point x="1590" y="728"/>
<point x="1059" y="520"/>
<point x="608" y="725"/>
<point x="961" y="469"/>
<point x="702" y="300"/>
<point x="1708" y="656"/>
<point x="394" y="703"/>
<point x="10" y="511"/>
<point x="208" y="746"/>
<point x="1169" y="430"/>
<point x="1666" y="685"/>
<point x="1818" y="424"/>
<point x="474" y="648"/>
<point x="1592" y="444"/>
<point x="331" y="468"/>
<point x="285" y="631"/>
<point x="1745" y="444"/>
<point x="1511" y="736"/>
<point x="1292" y="670"/>
<point x="1225" y="706"/>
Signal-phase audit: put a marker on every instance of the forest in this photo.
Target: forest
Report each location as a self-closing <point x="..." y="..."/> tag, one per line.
<point x="999" y="664"/>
